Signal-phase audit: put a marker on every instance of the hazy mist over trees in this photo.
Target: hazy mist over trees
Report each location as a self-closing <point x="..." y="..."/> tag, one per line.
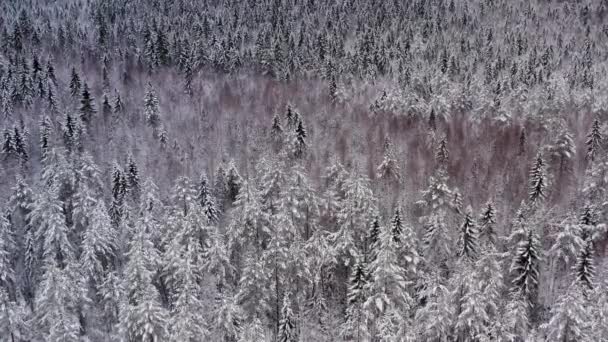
<point x="303" y="170"/>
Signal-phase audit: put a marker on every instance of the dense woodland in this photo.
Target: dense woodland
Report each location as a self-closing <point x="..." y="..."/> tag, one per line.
<point x="303" y="170"/>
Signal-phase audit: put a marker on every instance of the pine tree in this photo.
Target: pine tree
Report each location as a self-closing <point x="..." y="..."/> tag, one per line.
<point x="287" y="325"/>
<point x="75" y="83"/>
<point x="87" y="108"/>
<point x="594" y="141"/>
<point x="467" y="242"/>
<point x="538" y="181"/>
<point x="585" y="268"/>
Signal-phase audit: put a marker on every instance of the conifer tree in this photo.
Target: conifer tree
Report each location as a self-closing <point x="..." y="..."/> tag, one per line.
<point x="151" y="108"/>
<point x="397" y="226"/>
<point x="87" y="107"/>
<point x="538" y="181"/>
<point x="144" y="317"/>
<point x="276" y="133"/>
<point x="355" y="327"/>
<point x="132" y="179"/>
<point x="389" y="168"/>
<point x="75" y="83"/>
<point x="585" y="269"/>
<point x="442" y="154"/>
<point x="207" y="201"/>
<point x="299" y="145"/>
<point x="569" y="318"/>
<point x="526" y="265"/>
<point x="487" y="222"/>
<point x="374" y="234"/>
<point x="467" y="242"/>
<point x="522" y="142"/>
<point x="386" y="288"/>
<point x="594" y="141"/>
<point x="234" y="182"/>
<point x="287" y="325"/>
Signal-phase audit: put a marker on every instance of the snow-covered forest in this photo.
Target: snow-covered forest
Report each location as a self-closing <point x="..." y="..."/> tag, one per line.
<point x="303" y="170"/>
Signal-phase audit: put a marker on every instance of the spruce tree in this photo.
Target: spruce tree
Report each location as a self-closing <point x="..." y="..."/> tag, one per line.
<point x="594" y="141"/>
<point x="287" y="324"/>
<point x="487" y="222"/>
<point x="442" y="154"/>
<point x="151" y="108"/>
<point x="355" y="329"/>
<point x="45" y="136"/>
<point x="538" y="181"/>
<point x="389" y="169"/>
<point x="276" y="133"/>
<point x="207" y="201"/>
<point x="585" y="269"/>
<point x="467" y="242"/>
<point x="397" y="226"/>
<point x="87" y="108"/>
<point x="299" y="145"/>
<point x="132" y="179"/>
<point x="75" y="83"/>
<point x="234" y="182"/>
<point x="8" y="144"/>
<point x="526" y="264"/>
